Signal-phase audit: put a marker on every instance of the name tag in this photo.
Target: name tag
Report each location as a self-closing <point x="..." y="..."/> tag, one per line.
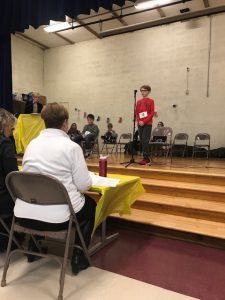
<point x="143" y="114"/>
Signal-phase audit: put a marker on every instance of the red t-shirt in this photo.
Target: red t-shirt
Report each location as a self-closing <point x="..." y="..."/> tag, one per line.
<point x="145" y="110"/>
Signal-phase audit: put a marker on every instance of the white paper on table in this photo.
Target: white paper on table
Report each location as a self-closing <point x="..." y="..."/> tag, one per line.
<point x="103" y="181"/>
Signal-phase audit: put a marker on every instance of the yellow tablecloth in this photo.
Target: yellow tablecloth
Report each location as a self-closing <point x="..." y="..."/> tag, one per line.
<point x="28" y="127"/>
<point x="117" y="199"/>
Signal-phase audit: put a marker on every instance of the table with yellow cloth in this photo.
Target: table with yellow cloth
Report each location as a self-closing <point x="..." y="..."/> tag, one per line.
<point x="28" y="127"/>
<point x="115" y="200"/>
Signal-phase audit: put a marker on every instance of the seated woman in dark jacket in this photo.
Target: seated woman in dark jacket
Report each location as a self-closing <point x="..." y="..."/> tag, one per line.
<point x="74" y="134"/>
<point x="8" y="161"/>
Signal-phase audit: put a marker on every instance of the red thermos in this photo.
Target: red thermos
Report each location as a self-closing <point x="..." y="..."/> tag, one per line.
<point x="103" y="166"/>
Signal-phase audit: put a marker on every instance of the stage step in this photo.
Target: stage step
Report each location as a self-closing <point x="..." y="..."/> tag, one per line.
<point x="181" y="200"/>
<point x="186" y="224"/>
<point x="198" y="208"/>
<point x="186" y="189"/>
<point x="161" y="174"/>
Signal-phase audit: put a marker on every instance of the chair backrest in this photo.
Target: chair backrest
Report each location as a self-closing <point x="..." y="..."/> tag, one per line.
<point x="181" y="137"/>
<point x="125" y="136"/>
<point x="163" y="131"/>
<point x="202" y="137"/>
<point x="37" y="188"/>
<point x="158" y="131"/>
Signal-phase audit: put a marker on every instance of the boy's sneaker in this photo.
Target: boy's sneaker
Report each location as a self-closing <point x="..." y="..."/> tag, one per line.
<point x="144" y="161"/>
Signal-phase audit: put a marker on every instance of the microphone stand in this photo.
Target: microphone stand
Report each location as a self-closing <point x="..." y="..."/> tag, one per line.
<point x="132" y="161"/>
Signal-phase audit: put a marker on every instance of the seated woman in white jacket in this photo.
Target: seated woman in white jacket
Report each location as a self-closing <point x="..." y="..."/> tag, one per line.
<point x="53" y="153"/>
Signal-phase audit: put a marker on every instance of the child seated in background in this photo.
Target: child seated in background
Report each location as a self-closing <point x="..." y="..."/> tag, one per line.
<point x="90" y="133"/>
<point x="110" y="136"/>
<point x="160" y="124"/>
<point x="74" y="133"/>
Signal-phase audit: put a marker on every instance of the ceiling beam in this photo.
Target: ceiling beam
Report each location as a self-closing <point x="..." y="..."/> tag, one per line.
<point x="88" y="28"/>
<point x="27" y="38"/>
<point x="82" y="24"/>
<point x="161" y="12"/>
<point x="64" y="38"/>
<point x="119" y="18"/>
<point x="167" y="20"/>
<point x="206" y="3"/>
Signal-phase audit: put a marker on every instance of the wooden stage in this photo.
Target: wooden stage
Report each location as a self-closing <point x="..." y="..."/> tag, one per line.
<point x="187" y="195"/>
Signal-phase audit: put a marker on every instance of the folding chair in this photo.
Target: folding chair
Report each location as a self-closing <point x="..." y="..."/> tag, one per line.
<point x="39" y="189"/>
<point x="107" y="145"/>
<point x="95" y="146"/>
<point x="124" y="139"/>
<point x="163" y="140"/>
<point x="201" y="144"/>
<point x="5" y="226"/>
<point x="179" y="144"/>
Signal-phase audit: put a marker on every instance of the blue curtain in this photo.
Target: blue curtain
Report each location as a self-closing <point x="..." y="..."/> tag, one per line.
<point x="17" y="15"/>
<point x="5" y="72"/>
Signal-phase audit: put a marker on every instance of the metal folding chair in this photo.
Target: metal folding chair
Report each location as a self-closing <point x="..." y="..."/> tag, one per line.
<point x="95" y="146"/>
<point x="125" y="138"/>
<point x="201" y="144"/>
<point x="179" y="144"/>
<point x="160" y="144"/>
<point x="39" y="189"/>
<point x="109" y="146"/>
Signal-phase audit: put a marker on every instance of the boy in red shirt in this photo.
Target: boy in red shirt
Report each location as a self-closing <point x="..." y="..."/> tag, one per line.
<point x="144" y="115"/>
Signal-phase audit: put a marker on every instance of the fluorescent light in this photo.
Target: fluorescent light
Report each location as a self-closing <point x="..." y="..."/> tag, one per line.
<point x="57" y="26"/>
<point x="150" y="4"/>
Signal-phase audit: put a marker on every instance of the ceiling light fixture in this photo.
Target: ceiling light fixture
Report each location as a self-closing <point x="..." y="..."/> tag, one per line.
<point x="57" y="26"/>
<point x="151" y="4"/>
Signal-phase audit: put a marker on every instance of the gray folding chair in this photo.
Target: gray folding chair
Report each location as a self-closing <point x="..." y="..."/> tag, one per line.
<point x="125" y="138"/>
<point x="179" y="144"/>
<point x="108" y="145"/>
<point x="3" y="218"/>
<point x="95" y="146"/>
<point x="5" y="228"/>
<point x="162" y="143"/>
<point x="39" y="189"/>
<point x="201" y="144"/>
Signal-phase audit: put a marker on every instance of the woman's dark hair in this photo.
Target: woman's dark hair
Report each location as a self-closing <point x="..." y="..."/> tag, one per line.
<point x="54" y="114"/>
<point x="110" y="125"/>
<point x="73" y="129"/>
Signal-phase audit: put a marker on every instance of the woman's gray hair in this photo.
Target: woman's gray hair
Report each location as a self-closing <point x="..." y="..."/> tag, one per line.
<point x="6" y="118"/>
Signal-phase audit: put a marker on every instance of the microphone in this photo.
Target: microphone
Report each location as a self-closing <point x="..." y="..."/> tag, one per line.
<point x="135" y="91"/>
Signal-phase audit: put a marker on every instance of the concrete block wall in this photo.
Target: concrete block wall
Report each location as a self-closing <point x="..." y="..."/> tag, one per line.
<point x="27" y="66"/>
<point x="100" y="76"/>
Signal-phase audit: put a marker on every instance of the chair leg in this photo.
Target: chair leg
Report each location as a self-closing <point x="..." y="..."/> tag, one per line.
<point x="103" y="146"/>
<point x="8" y="233"/>
<point x="65" y="259"/>
<point x="112" y="148"/>
<point x="106" y="147"/>
<point x="116" y="149"/>
<point x="83" y="243"/>
<point x="7" y="260"/>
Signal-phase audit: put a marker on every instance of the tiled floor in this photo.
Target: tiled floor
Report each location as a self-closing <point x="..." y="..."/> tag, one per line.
<point x="39" y="280"/>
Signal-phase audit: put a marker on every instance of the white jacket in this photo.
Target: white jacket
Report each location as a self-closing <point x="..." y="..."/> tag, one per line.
<point x="53" y="153"/>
